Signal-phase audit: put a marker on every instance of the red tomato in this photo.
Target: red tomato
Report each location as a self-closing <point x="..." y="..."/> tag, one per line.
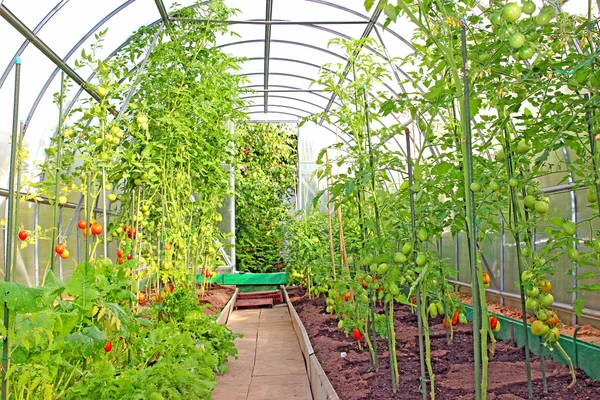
<point x="347" y="297"/>
<point x="119" y="253"/>
<point x="141" y="297"/>
<point x="82" y="224"/>
<point x="486" y="278"/>
<point x="59" y="248"/>
<point x="493" y="322"/>
<point x="170" y="288"/>
<point x="413" y="300"/>
<point x="23" y="234"/>
<point x="96" y="229"/>
<point x="108" y="346"/>
<point x="455" y="318"/>
<point x="128" y="256"/>
<point x="356" y="334"/>
<point x="120" y="260"/>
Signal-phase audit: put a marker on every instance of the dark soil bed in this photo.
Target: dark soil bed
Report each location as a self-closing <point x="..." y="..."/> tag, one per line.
<point x="216" y="298"/>
<point x="452" y="364"/>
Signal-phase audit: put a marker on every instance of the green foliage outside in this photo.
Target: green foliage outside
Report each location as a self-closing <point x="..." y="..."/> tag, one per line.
<point x="265" y="188"/>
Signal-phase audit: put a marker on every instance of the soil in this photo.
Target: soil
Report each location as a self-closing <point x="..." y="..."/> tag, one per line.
<point x="452" y="364"/>
<point x="215" y="298"/>
<point x="586" y="333"/>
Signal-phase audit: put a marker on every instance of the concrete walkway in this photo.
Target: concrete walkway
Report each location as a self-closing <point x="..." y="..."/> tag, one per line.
<point x="270" y="364"/>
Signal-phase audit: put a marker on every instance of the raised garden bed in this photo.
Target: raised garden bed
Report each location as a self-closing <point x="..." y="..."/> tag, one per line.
<point x="452" y="364"/>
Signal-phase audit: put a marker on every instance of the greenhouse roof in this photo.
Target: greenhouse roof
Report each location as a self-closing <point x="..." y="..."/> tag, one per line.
<point x="285" y="44"/>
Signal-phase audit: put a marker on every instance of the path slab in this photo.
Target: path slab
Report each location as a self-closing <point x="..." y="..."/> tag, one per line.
<point x="269" y="364"/>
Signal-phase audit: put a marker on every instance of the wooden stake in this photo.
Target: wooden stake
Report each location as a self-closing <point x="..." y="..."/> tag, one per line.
<point x="329" y="220"/>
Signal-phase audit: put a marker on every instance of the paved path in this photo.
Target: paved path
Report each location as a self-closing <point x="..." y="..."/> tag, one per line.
<point x="270" y="365"/>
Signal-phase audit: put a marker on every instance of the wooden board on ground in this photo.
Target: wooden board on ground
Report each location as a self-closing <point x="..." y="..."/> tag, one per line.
<point x="253" y="303"/>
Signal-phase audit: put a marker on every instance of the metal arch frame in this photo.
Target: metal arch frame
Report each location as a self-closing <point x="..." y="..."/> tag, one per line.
<point x="291" y="90"/>
<point x="23" y="46"/>
<point x="70" y="54"/>
<point x="20" y="27"/>
<point x="287" y="98"/>
<point x="162" y="10"/>
<point x="267" y="53"/>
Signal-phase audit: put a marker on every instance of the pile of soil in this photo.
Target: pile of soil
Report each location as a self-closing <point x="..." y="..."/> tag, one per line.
<point x="216" y="298"/>
<point x="452" y="363"/>
<point x="586" y="332"/>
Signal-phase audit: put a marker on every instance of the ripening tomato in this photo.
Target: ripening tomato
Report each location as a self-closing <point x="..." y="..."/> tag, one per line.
<point x="119" y="253"/>
<point x="141" y="297"/>
<point x="65" y="254"/>
<point x="23" y="234"/>
<point x="347" y="297"/>
<point x="170" y="288"/>
<point x="168" y="246"/>
<point x="356" y="334"/>
<point x="553" y="320"/>
<point x="455" y="317"/>
<point x="108" y="346"/>
<point x="59" y="248"/>
<point x="546" y="286"/>
<point x="82" y="224"/>
<point x="493" y="323"/>
<point x="93" y="222"/>
<point x="120" y="260"/>
<point x="96" y="229"/>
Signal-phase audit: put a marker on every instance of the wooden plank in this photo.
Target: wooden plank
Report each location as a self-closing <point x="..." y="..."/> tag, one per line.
<point x="226" y="311"/>
<point x="319" y="383"/>
<point x="253" y="303"/>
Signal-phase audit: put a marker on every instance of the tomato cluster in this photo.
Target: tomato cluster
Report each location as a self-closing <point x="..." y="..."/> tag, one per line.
<point x="538" y="300"/>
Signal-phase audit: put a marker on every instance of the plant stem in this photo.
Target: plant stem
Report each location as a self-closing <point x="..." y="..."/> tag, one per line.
<point x="515" y="215"/>
<point x="58" y="168"/>
<point x="593" y="152"/>
<point x="568" y="359"/>
<point x="418" y="287"/>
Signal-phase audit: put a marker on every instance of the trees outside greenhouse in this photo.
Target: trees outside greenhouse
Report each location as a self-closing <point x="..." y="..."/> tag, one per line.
<point x="412" y="166"/>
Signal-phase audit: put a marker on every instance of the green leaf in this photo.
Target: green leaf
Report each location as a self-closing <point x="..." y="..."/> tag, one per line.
<point x="82" y="284"/>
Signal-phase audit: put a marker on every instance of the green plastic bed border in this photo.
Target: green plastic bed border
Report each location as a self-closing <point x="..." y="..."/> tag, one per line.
<point x="249" y="282"/>
<point x="584" y="355"/>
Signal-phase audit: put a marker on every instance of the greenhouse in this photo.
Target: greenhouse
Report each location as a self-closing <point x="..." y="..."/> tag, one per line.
<point x="300" y="199"/>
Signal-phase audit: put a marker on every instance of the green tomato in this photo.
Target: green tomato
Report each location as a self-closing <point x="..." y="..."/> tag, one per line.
<point x="526" y="52"/>
<point x="511" y="12"/>
<point x="541" y="207"/>
<point x="373" y="268"/>
<point x="542" y="315"/>
<point x="405" y="185"/>
<point x="500" y="155"/>
<point x="494" y="185"/>
<point x="570" y="228"/>
<point x="423" y="235"/>
<point x="529" y="7"/>
<point x="476" y="187"/>
<point x="400" y="258"/>
<point x="407" y="248"/>
<point x="440" y="307"/>
<point x="529" y="201"/>
<point x="102" y="91"/>
<point x="112" y="197"/>
<point x="62" y="200"/>
<point x="535" y="292"/>
<point x="539" y="328"/>
<point x="522" y="147"/>
<point x="531" y="304"/>
<point x="553" y="335"/>
<point x="350" y="260"/>
<point x="421" y="260"/>
<point x="382" y="269"/>
<point x="546" y="300"/>
<point x="573" y="254"/>
<point x="329" y="309"/>
<point x="590" y="195"/>
<point x="394" y="290"/>
<point x="341" y="324"/>
<point x="543" y="19"/>
<point x="517" y="40"/>
<point x="532" y="190"/>
<point x="596" y="245"/>
<point x="513" y="182"/>
<point x="433" y="312"/>
<point x="484" y="57"/>
<point x="496" y="18"/>
<point x="526" y="275"/>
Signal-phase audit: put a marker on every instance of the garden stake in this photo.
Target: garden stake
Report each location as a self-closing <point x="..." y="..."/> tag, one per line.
<point x="543" y="363"/>
<point x="329" y="221"/>
<point x="58" y="165"/>
<point x="10" y="223"/>
<point x="479" y="305"/>
<point x="414" y="239"/>
<point x="513" y="197"/>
